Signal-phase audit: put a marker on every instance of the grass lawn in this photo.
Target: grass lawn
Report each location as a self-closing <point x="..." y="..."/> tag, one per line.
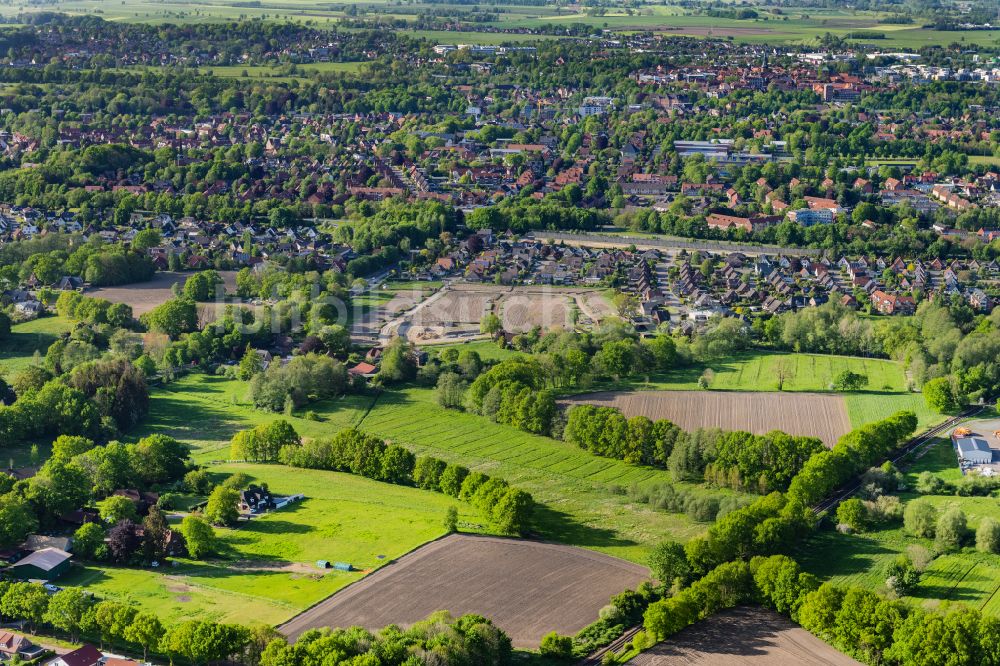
<point x="487" y="349"/>
<point x="572" y="486"/>
<point x="27" y="338"/>
<point x="267" y="572"/>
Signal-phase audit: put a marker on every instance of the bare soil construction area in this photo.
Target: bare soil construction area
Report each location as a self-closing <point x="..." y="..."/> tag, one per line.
<point x="457" y="311"/>
<point x="813" y="414"/>
<point x="743" y="637"/>
<point x="526" y="587"/>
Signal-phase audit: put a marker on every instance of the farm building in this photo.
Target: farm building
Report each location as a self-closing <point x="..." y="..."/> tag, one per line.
<point x="974" y="450"/>
<point x="45" y="564"/>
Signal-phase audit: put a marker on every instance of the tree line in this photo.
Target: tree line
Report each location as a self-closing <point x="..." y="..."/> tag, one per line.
<point x="508" y="509"/>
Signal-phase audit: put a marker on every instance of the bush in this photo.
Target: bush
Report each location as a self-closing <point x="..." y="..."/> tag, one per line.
<point x="919" y="518"/>
<point x="951" y="529"/>
<point x="854" y="514"/>
<point x="199" y="482"/>
<point x="929" y="484"/>
<point x="988" y="536"/>
<point x="556" y="647"/>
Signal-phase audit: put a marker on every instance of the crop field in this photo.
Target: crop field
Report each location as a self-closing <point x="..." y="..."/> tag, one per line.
<point x="526" y="588"/>
<point x="572" y="487"/>
<point x="266" y="569"/>
<point x="867" y="407"/>
<point x="144" y="296"/>
<point x="27" y="338"/>
<point x="823" y="416"/>
<point x="745" y="636"/>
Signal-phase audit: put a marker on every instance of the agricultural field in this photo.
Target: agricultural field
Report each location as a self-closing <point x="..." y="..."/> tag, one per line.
<point x="823" y="416"/>
<point x="527" y="588"/>
<point x="30" y="337"/>
<point x="144" y="296"/>
<point x="744" y="636"/>
<point x="266" y="571"/>
<point x="572" y="487"/>
<point x="885" y="394"/>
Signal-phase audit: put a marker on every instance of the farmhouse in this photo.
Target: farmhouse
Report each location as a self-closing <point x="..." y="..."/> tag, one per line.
<point x="974" y="450"/>
<point x="45" y="564"/>
<point x="256" y="499"/>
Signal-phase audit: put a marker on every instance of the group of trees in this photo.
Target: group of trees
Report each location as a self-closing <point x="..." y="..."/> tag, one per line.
<point x="263" y="443"/>
<point x="352" y="451"/>
<point x="736" y="459"/>
<point x="79" y="472"/>
<point x="74" y="305"/>
<point x="98" y="399"/>
<point x="470" y="640"/>
<point x="73" y="613"/>
<point x="604" y="431"/>
<point x="304" y="378"/>
<point x="512" y="392"/>
<point x="854" y="452"/>
<point x="508" y="509"/>
<point x="856" y="620"/>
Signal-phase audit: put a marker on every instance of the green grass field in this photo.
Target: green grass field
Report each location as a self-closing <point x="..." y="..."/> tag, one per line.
<point x="268" y="571"/>
<point x="29" y="337"/>
<point x="794" y="25"/>
<point x="755" y="371"/>
<point x="571" y="486"/>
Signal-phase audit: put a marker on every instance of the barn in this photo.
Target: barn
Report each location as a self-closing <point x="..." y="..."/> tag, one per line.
<point x="974" y="450"/>
<point x="44" y="564"/>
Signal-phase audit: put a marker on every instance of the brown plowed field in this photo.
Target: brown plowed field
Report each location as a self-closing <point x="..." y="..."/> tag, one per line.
<point x="743" y="637"/>
<point x="813" y="414"/>
<point x="527" y="588"/>
<point x="144" y="296"/>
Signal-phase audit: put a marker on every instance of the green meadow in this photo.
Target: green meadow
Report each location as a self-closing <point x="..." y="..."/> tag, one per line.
<point x="266" y="571"/>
